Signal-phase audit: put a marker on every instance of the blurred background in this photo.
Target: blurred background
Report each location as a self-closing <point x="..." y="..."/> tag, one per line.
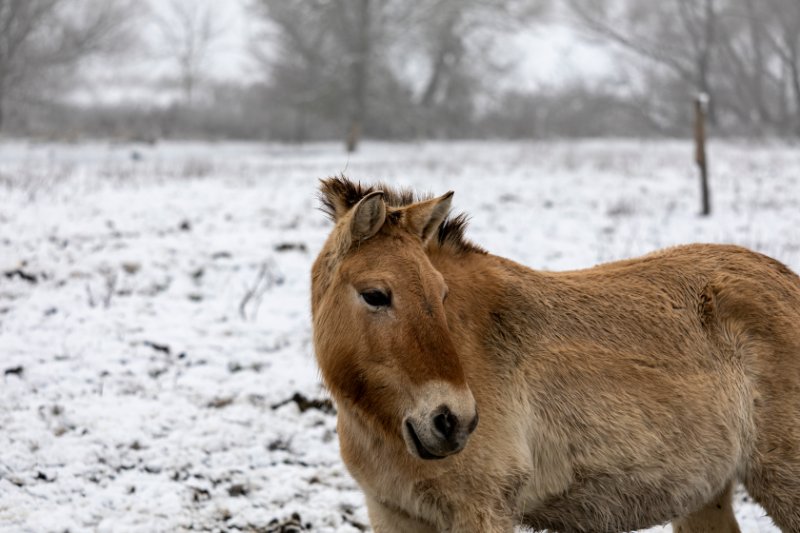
<point x="299" y="71"/>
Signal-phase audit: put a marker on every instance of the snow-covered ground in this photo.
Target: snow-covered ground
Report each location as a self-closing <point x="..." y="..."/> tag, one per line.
<point x="154" y="319"/>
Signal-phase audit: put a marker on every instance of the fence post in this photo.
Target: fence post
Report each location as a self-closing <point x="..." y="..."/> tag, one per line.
<point x="700" y="111"/>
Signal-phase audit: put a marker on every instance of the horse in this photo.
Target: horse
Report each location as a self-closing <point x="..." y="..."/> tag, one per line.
<point x="475" y="394"/>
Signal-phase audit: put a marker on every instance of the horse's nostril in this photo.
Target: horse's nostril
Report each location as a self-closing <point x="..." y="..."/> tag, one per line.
<point x="446" y="423"/>
<point x="473" y="424"/>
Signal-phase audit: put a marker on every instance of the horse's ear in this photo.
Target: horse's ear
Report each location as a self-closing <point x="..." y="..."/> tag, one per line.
<point x="368" y="216"/>
<point x="424" y="218"/>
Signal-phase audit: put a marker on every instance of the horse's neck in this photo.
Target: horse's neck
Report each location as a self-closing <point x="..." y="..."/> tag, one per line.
<point x="495" y="308"/>
<point x="486" y="283"/>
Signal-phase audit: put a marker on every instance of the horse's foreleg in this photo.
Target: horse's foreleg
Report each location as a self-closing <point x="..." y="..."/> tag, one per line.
<point x="716" y="517"/>
<point x="482" y="521"/>
<point x="385" y="519"/>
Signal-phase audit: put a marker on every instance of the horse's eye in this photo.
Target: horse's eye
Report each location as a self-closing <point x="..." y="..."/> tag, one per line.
<point x="377" y="298"/>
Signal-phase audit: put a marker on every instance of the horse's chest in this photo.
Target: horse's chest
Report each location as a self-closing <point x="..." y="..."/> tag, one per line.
<point x="386" y="476"/>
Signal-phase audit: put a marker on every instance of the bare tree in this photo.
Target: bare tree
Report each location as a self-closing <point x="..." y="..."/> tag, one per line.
<point x="47" y="39"/>
<point x="680" y="36"/>
<point x="359" y="46"/>
<point x="360" y="29"/>
<point x="455" y="40"/>
<point x="744" y="53"/>
<point x="297" y="52"/>
<point x="345" y="60"/>
<point x="783" y="32"/>
<point x="188" y="32"/>
<point x="751" y="79"/>
<point x="327" y="57"/>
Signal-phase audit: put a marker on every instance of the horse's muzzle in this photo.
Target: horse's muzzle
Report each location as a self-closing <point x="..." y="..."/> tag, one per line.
<point x="440" y="434"/>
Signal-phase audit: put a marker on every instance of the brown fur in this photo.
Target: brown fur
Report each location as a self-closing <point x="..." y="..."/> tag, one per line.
<point x="611" y="399"/>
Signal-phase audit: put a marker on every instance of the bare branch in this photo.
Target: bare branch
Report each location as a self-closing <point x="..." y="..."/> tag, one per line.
<point x="189" y="32"/>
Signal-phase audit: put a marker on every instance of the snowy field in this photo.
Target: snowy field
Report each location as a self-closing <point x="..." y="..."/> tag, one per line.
<point x="154" y="318"/>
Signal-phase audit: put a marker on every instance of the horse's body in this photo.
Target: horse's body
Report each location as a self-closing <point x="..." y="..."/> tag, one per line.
<point x="610" y="399"/>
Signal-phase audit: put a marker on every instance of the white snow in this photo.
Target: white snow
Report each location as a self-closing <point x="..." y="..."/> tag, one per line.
<point x="139" y="394"/>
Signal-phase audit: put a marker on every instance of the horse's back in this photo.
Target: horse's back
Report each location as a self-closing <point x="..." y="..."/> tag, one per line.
<point x="723" y="293"/>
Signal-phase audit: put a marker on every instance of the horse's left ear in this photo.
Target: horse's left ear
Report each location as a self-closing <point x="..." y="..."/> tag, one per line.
<point x="424" y="218"/>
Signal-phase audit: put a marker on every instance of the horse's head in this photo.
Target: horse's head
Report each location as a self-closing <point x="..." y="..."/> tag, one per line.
<point x="380" y="329"/>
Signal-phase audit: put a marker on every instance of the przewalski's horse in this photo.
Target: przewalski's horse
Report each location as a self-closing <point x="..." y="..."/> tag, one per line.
<point x="610" y="399"/>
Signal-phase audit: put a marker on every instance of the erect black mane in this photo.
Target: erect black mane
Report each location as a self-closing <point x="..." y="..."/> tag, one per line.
<point x="339" y="189"/>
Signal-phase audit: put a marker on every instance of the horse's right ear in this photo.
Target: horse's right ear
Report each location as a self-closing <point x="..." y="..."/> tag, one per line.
<point x="359" y="223"/>
<point x="368" y="216"/>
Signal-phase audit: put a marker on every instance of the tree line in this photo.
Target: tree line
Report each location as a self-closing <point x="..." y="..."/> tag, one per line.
<point x="743" y="54"/>
<point x="393" y="69"/>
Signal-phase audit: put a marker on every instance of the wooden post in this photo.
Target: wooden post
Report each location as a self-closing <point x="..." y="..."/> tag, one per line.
<point x="700" y="111"/>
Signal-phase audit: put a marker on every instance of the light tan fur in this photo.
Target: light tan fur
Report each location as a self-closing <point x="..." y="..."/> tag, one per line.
<point x="610" y="399"/>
